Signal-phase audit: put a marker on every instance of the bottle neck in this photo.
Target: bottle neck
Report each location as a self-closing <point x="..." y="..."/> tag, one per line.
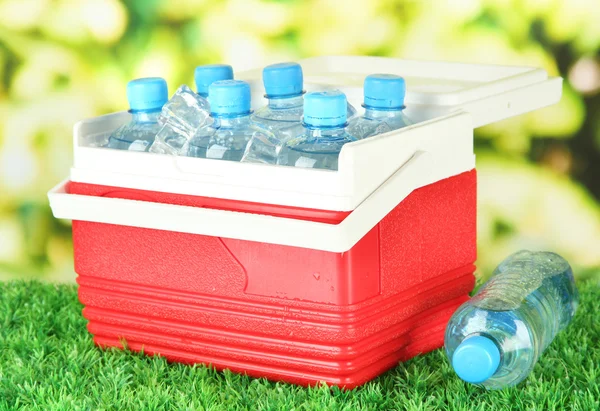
<point x="232" y="122"/>
<point x="145" y="116"/>
<point x="326" y="132"/>
<point x="285" y="103"/>
<point x="376" y="114"/>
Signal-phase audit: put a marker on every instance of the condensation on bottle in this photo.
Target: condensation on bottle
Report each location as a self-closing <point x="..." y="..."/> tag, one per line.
<point x="496" y="338"/>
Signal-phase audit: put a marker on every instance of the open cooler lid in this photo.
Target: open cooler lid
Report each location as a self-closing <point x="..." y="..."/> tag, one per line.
<point x="489" y="93"/>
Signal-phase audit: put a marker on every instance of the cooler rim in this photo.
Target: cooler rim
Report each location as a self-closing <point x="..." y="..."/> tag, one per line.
<point x="415" y="173"/>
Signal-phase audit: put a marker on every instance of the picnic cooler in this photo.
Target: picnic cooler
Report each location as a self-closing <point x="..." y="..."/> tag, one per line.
<point x="294" y="274"/>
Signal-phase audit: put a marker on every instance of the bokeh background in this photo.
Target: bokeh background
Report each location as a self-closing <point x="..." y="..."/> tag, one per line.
<point x="65" y="60"/>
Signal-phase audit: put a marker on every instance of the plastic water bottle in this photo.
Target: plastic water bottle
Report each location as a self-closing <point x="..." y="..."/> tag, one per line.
<point x="226" y="138"/>
<point x="384" y="105"/>
<point x="497" y="336"/>
<point x="324" y="132"/>
<point x="282" y="115"/>
<point x="146" y="98"/>
<point x="205" y="75"/>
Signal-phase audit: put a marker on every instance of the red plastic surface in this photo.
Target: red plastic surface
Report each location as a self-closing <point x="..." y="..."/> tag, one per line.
<point x="281" y="312"/>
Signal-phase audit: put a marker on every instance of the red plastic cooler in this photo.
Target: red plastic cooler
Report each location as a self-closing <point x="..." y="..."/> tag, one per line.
<point x="294" y="274"/>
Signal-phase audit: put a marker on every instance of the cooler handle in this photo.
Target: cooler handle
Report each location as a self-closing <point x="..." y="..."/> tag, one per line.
<point x="414" y="173"/>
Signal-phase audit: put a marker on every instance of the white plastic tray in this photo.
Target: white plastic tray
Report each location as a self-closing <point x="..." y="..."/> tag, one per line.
<point x="363" y="166"/>
<point x="437" y="91"/>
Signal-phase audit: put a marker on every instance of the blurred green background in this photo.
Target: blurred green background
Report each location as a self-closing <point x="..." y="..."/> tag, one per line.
<point x="65" y="60"/>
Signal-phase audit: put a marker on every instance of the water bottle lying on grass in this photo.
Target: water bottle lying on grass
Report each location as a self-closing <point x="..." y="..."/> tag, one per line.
<point x="496" y="337"/>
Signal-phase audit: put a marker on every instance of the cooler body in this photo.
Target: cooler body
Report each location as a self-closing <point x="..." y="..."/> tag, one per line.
<point x="285" y="313"/>
<point x="293" y="274"/>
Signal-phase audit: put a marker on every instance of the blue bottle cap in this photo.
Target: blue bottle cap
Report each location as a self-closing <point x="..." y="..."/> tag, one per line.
<point x="384" y="92"/>
<point x="325" y="109"/>
<point x="229" y="97"/>
<point x="283" y="80"/>
<point x="147" y="94"/>
<point x="476" y="359"/>
<point x="204" y="76"/>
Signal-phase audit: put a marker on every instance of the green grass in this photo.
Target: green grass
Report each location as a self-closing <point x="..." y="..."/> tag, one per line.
<point x="48" y="361"/>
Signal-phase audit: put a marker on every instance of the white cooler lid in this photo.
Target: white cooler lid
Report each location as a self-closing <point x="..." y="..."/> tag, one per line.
<point x="488" y="92"/>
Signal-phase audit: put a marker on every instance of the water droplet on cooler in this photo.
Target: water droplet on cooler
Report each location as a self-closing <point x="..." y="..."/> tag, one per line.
<point x="317" y="276"/>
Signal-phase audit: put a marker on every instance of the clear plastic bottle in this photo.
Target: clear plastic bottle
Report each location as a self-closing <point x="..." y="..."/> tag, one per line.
<point x="282" y="115"/>
<point x="497" y="336"/>
<point x="324" y="133"/>
<point x="226" y="138"/>
<point x="205" y="75"/>
<point x="146" y="98"/>
<point x="384" y="106"/>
